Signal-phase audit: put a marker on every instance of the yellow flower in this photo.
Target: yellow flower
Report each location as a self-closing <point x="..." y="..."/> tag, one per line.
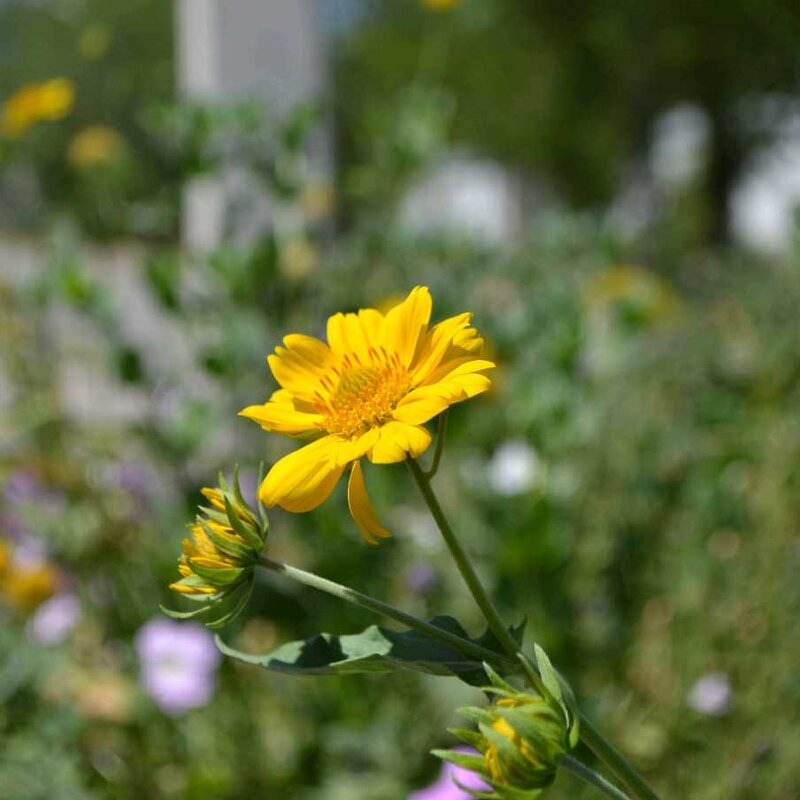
<point x="37" y="102"/>
<point x="367" y="392"/>
<point x="638" y="289"/>
<point x="298" y="259"/>
<point x="25" y="586"/>
<point x="93" y="146"/>
<point x="217" y="566"/>
<point x="440" y="5"/>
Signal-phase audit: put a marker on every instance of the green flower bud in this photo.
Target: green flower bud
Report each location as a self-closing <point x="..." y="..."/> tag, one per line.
<point x="218" y="562"/>
<point x="520" y="739"/>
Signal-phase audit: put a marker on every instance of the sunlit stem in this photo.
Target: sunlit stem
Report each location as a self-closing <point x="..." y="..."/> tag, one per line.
<point x="496" y="624"/>
<point x="441" y="431"/>
<point x="615" y="761"/>
<point x="593" y="778"/>
<point x="603" y="749"/>
<point x="357" y="598"/>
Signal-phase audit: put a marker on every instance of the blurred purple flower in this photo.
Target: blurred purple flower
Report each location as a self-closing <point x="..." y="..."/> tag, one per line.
<point x="421" y="577"/>
<point x="54" y="619"/>
<point x="22" y="486"/>
<point x="445" y="788"/>
<point x="135" y="480"/>
<point x="12" y="528"/>
<point x="178" y="663"/>
<point x="30" y="552"/>
<point x="711" y="694"/>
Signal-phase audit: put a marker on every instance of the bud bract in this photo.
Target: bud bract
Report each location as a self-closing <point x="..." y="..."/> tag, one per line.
<point x="218" y="562"/>
<point x="521" y="737"/>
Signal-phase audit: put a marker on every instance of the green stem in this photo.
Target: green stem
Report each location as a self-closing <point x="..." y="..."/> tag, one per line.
<point x="464" y="646"/>
<point x="603" y="749"/>
<point x="593" y="778"/>
<point x="615" y="761"/>
<point x="463" y="563"/>
<point x="441" y="430"/>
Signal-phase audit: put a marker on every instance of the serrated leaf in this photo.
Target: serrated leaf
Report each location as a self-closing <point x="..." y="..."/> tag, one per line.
<point x="375" y="650"/>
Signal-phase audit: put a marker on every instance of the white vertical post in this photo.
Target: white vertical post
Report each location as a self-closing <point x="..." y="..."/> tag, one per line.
<point x="234" y="50"/>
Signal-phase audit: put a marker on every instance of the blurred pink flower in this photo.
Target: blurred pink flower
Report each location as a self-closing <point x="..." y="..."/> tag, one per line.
<point x="178" y="661"/>
<point x="445" y="787"/>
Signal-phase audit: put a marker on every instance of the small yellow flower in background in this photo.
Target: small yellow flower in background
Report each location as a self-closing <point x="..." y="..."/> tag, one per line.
<point x="37" y="102"/>
<point x="366" y="393"/>
<point x="298" y="259"/>
<point x="318" y="200"/>
<point x="440" y="5"/>
<point x="218" y="562"/>
<point x="96" y="145"/>
<point x="25" y="585"/>
<point x="645" y="293"/>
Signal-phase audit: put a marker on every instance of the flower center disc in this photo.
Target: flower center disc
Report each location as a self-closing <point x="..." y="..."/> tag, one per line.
<point x="364" y="397"/>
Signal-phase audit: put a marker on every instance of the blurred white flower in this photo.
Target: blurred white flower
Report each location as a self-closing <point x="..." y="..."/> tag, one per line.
<point x="514" y="468"/>
<point x="54" y="619"/>
<point x="711" y="694"/>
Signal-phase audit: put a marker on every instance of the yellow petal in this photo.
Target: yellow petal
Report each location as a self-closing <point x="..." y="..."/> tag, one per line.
<point x="407" y="322"/>
<point x="373" y="325"/>
<point x="303" y="479"/>
<point x="177" y="587"/>
<point x="448" y="370"/>
<point x="213" y="563"/>
<point x="283" y="418"/>
<point x="470" y="340"/>
<point x="421" y="405"/>
<point x="398" y="441"/>
<point x="348" y="450"/>
<point x="360" y="507"/>
<point x="436" y="344"/>
<point x="300" y="366"/>
<point x="356" y="334"/>
<point x="463" y="387"/>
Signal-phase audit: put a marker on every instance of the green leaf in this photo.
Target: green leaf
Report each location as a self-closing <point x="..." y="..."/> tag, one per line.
<point x="469" y="761"/>
<point x="375" y="650"/>
<point x="549" y="675"/>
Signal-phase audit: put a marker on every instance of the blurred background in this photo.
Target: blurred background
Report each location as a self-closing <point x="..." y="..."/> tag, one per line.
<point x="611" y="188"/>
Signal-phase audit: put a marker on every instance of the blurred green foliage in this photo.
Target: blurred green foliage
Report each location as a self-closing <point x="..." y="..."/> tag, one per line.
<point x="631" y="485"/>
<point x="570" y="91"/>
<point x="653" y="543"/>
